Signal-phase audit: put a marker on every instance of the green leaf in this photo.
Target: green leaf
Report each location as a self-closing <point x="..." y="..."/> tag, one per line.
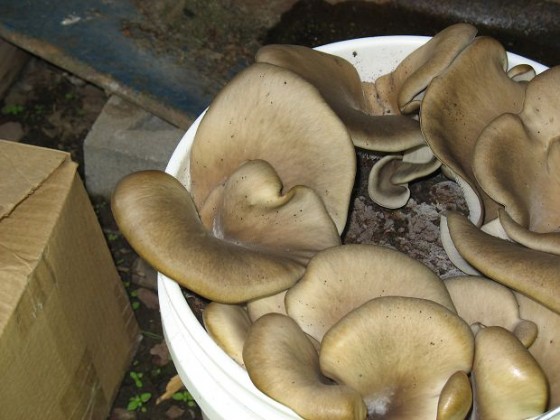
<point x="133" y="404"/>
<point x="145" y="396"/>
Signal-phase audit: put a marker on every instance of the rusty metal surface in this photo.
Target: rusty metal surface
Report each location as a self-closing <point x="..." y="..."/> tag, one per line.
<point x="86" y="38"/>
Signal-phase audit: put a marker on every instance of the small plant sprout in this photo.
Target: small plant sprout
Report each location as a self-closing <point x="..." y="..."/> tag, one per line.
<point x="184" y="396"/>
<point x="134" y="302"/>
<point x="13" y="109"/>
<point x="137" y="378"/>
<point x="137" y="402"/>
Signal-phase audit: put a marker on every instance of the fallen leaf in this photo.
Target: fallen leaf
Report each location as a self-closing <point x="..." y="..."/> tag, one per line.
<point x="148" y="298"/>
<point x="175" y="384"/>
<point x="160" y="353"/>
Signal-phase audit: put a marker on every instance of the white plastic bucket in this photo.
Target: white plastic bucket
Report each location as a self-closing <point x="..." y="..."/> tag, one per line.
<point x="219" y="385"/>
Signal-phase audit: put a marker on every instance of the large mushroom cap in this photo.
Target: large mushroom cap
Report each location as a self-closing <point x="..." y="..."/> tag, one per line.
<point x="508" y="381"/>
<point x="270" y="113"/>
<point x="156" y="214"/>
<point x="460" y="102"/>
<point x="399" y="353"/>
<point x="340" y="279"/>
<point x="283" y="363"/>
<point x="517" y="157"/>
<point x="339" y="83"/>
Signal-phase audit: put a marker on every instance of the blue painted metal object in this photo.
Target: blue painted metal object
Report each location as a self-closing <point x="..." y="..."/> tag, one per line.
<point x="86" y="38"/>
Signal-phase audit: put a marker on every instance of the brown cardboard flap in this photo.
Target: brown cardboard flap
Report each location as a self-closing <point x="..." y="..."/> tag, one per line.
<point x="34" y="212"/>
<point x="23" y="169"/>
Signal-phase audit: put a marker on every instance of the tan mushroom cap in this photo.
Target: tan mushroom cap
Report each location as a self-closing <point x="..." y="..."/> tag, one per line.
<point x="546" y="348"/>
<point x="268" y="304"/>
<point x="389" y="177"/>
<point x="158" y="218"/>
<point x="340" y="279"/>
<point x="461" y="102"/>
<point x="508" y="381"/>
<point x="481" y="300"/>
<point x="455" y="399"/>
<point x="545" y="242"/>
<point x="254" y="210"/>
<point x="530" y="272"/>
<point x="339" y="83"/>
<point x="283" y="363"/>
<point x="399" y="353"/>
<point x="269" y="113"/>
<point x="228" y="325"/>
<point x="399" y="88"/>
<point x="526" y="176"/>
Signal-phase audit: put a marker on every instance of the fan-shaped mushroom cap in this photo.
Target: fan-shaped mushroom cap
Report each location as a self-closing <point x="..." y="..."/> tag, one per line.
<point x="228" y="325"/>
<point x="455" y="400"/>
<point x="399" y="88"/>
<point x="252" y="208"/>
<point x="340" y="279"/>
<point x="157" y="216"/>
<point x="527" y="179"/>
<point x="530" y="272"/>
<point x="546" y="348"/>
<point x="481" y="300"/>
<point x="508" y="382"/>
<point x="398" y="352"/>
<point x="460" y="102"/>
<point x="269" y="113"/>
<point x="389" y="178"/>
<point x="283" y="363"/>
<point x="339" y="83"/>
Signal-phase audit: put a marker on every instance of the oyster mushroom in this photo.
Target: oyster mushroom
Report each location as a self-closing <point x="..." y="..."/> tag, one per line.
<point x="398" y="353"/>
<point x="283" y="363"/>
<point x="457" y="106"/>
<point x="252" y="208"/>
<point x="399" y="89"/>
<point x="530" y="272"/>
<point x="157" y="216"/>
<point x="228" y="325"/>
<point x="455" y="399"/>
<point x="546" y="348"/>
<point x="389" y="177"/>
<point x="529" y="139"/>
<point x="507" y="381"/>
<point x="339" y="83"/>
<point x="479" y="300"/>
<point x="270" y="113"/>
<point x="342" y="278"/>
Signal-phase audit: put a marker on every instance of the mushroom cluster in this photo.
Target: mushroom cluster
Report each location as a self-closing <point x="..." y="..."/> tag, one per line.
<point x="336" y="330"/>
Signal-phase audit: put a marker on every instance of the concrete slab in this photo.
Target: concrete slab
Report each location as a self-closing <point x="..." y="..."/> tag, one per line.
<point x="125" y="138"/>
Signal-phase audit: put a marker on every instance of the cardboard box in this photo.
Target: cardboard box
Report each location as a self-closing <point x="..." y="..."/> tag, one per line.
<point x="67" y="332"/>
